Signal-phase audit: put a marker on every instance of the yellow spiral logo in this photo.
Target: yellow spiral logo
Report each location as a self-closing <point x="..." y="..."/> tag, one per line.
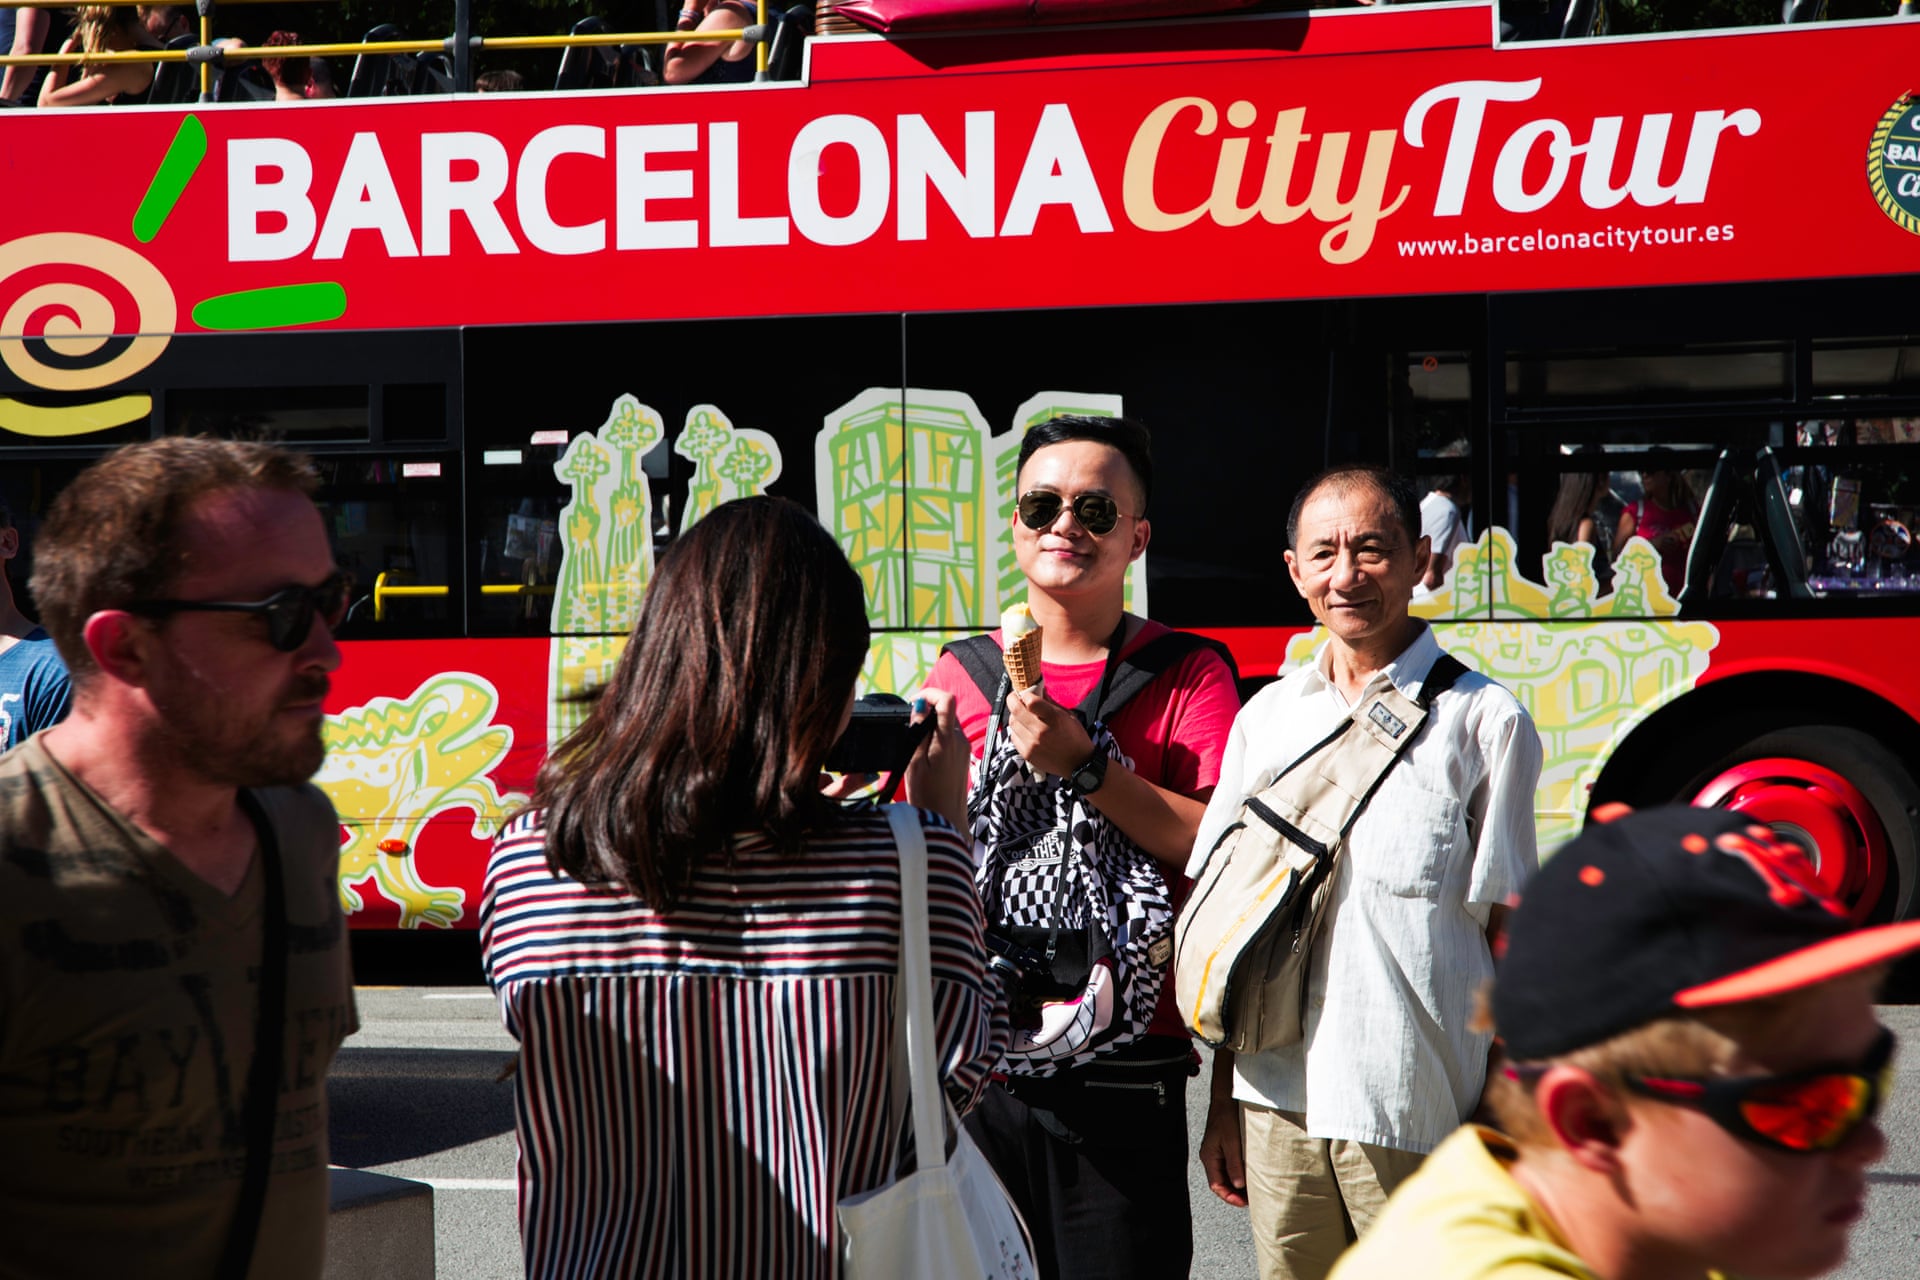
<point x="77" y="321"/>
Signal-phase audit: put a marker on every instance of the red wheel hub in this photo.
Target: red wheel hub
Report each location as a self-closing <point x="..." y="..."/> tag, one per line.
<point x="1818" y="810"/>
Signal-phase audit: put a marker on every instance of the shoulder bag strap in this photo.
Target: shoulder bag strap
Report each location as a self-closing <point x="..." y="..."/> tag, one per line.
<point x="1440" y="677"/>
<point x="269" y="1041"/>
<point x="913" y="994"/>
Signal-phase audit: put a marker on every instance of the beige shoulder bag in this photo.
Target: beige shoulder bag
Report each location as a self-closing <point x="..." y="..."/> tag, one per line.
<point x="1242" y="943"/>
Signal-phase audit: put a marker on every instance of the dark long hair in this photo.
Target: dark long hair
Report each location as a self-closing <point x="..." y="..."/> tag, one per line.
<point x="721" y="709"/>
<point x="1579" y="491"/>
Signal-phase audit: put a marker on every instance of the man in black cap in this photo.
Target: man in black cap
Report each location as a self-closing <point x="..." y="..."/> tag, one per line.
<point x="1694" y="1067"/>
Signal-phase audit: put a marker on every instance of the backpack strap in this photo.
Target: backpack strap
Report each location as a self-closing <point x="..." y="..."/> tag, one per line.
<point x="984" y="660"/>
<point x="985" y="663"/>
<point x="1145" y="665"/>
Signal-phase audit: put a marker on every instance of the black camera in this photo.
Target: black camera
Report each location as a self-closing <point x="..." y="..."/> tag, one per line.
<point x="1015" y="961"/>
<point x="1041" y="963"/>
<point x="879" y="738"/>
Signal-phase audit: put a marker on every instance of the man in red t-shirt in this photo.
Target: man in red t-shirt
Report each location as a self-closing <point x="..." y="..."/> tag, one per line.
<point x="1096" y="1155"/>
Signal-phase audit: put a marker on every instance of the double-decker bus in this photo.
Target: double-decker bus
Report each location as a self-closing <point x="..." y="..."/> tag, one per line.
<point x="529" y="338"/>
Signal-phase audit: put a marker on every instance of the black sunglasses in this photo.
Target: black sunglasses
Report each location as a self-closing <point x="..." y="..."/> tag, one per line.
<point x="1801" y="1111"/>
<point x="289" y="613"/>
<point x="1096" y="512"/>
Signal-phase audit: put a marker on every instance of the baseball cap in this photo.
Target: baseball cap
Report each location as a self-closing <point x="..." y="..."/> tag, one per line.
<point x="1663" y="911"/>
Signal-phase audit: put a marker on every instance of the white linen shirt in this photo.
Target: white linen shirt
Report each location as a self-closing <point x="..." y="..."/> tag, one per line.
<point x="1388" y="1057"/>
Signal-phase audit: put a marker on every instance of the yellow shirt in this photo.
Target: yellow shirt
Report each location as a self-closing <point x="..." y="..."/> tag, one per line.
<point x="1462" y="1217"/>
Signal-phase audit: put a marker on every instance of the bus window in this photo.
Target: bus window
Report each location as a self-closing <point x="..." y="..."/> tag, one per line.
<point x="1848" y="488"/>
<point x="391" y="520"/>
<point x="515" y="514"/>
<point x="1728" y="530"/>
<point x="289" y="415"/>
<point x="1879" y="368"/>
<point x="1700" y="373"/>
<point x="413" y="412"/>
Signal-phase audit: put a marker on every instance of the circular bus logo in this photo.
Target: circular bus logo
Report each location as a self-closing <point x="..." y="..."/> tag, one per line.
<point x="1893" y="163"/>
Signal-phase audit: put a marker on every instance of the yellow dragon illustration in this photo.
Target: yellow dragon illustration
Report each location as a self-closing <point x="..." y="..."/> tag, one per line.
<point x="395" y="764"/>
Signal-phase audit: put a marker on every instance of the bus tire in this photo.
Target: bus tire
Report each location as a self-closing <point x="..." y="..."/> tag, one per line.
<point x="1810" y="778"/>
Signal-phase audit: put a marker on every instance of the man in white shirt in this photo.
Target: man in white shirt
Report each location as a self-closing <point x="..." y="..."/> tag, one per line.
<point x="1314" y="1136"/>
<point x="1443" y="523"/>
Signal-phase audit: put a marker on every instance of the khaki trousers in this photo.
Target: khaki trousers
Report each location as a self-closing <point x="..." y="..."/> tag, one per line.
<point x="1309" y="1198"/>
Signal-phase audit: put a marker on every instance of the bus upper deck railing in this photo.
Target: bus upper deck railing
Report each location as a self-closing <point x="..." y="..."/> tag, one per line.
<point x="1579" y="18"/>
<point x="460" y="47"/>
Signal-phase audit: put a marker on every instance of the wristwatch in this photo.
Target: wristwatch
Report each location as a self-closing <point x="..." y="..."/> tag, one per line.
<point x="1092" y="775"/>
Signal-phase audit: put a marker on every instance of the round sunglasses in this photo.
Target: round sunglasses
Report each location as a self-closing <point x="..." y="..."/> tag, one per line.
<point x="1096" y="512"/>
<point x="289" y="612"/>
<point x="1803" y="1112"/>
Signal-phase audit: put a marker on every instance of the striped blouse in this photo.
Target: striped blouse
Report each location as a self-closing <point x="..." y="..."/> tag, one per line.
<point x="698" y="1089"/>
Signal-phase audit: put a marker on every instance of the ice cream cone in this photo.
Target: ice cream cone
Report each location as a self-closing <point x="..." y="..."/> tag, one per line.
<point x="1023" y="660"/>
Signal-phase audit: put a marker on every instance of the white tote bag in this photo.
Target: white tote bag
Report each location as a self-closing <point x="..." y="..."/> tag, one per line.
<point x="951" y="1218"/>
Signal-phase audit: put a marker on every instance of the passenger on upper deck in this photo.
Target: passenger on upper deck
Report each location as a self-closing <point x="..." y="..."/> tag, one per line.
<point x="22" y="32"/>
<point x="711" y="61"/>
<point x="505" y="81"/>
<point x="290" y="76"/>
<point x="164" y="21"/>
<point x="100" y="28"/>
<point x="320" y="79"/>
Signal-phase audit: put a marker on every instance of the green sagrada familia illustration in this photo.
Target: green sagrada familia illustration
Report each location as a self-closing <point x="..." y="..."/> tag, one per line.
<point x="606" y="533"/>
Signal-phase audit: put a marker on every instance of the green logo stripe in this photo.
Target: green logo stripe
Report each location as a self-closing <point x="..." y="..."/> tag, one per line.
<point x="277" y="307"/>
<point x="177" y="167"/>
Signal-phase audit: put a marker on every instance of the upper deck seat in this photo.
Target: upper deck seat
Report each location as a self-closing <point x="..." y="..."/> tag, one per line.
<point x="382" y="75"/>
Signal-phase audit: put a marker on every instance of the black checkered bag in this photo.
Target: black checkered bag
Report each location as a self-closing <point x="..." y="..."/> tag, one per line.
<point x="1078" y="909"/>
<point x="1057" y="872"/>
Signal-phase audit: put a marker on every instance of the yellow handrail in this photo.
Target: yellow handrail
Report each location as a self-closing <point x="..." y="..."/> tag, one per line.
<point x="382" y="591"/>
<point x="632" y="37"/>
<point x="376" y="47"/>
<point x="385" y="590"/>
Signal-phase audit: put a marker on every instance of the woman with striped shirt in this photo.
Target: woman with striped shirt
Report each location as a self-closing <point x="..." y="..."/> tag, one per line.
<point x="696" y="948"/>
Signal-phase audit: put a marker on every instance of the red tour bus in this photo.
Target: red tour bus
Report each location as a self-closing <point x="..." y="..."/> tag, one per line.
<point x="1647" y="301"/>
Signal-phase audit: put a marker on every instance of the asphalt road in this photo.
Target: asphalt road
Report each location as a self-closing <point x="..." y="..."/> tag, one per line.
<point x="416" y="1094"/>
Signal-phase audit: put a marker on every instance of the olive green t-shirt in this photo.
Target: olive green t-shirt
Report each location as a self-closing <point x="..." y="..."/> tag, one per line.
<point x="128" y="997"/>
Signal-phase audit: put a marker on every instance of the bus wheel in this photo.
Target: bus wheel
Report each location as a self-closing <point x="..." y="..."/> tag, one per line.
<point x="1841" y="796"/>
